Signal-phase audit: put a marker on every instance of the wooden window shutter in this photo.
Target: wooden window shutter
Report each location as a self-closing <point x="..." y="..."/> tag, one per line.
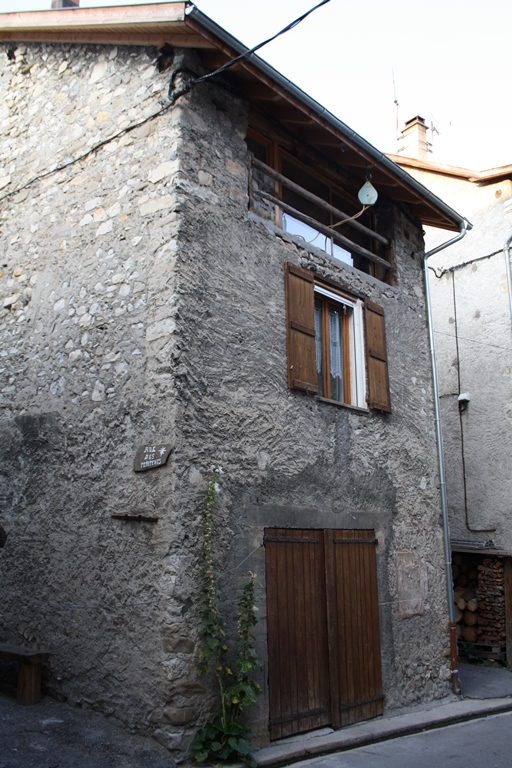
<point x="376" y="358"/>
<point x="300" y="316"/>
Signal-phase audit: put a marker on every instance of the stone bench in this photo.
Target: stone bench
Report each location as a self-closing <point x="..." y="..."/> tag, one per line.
<point x="30" y="661"/>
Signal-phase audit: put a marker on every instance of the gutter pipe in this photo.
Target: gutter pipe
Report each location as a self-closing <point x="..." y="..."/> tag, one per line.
<point x="506" y="253"/>
<point x="442" y="482"/>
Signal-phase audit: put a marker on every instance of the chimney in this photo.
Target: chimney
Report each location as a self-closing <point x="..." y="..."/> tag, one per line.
<point x="413" y="141"/>
<point x="65" y="3"/>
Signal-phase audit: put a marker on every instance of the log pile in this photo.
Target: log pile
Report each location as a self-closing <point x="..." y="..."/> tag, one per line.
<point x="491" y="601"/>
<point x="479" y="594"/>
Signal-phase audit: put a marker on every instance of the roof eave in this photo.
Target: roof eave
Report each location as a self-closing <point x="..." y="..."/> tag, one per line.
<point x="348" y="134"/>
<point x="183" y="24"/>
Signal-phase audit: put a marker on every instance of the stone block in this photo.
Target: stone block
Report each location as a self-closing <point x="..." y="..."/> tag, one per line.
<point x="173" y="644"/>
<point x="180" y="715"/>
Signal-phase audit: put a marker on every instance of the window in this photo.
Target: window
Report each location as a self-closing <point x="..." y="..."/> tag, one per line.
<point x="300" y="175"/>
<point x="336" y="343"/>
<point x="339" y="344"/>
<point x="318" y="206"/>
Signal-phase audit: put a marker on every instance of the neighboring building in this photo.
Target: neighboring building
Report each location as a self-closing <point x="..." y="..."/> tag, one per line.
<point x="473" y="339"/>
<point x="155" y="258"/>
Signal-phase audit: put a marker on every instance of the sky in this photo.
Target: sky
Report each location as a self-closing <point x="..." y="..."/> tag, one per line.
<point x="446" y="60"/>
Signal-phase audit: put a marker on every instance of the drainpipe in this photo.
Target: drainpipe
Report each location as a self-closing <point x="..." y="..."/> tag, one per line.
<point x="506" y="253"/>
<point x="442" y="482"/>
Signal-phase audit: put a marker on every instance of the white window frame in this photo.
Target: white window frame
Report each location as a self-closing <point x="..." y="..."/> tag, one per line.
<point x="357" y="363"/>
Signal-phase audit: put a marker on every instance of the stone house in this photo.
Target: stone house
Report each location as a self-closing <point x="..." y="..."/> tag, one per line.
<point x="472" y="309"/>
<point x="178" y="291"/>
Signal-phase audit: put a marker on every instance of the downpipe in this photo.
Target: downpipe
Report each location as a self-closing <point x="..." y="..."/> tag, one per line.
<point x="452" y="624"/>
<point x="506" y="253"/>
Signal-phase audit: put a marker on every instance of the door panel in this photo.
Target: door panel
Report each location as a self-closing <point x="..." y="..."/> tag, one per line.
<point x="357" y="640"/>
<point x="297" y="632"/>
<point x="323" y="629"/>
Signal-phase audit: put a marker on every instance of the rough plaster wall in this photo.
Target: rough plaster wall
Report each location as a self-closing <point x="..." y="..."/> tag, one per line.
<point x="443" y="311"/>
<point x="88" y="297"/>
<point x="487" y="207"/>
<point x="473" y="341"/>
<point x="290" y="460"/>
<point x="474" y="351"/>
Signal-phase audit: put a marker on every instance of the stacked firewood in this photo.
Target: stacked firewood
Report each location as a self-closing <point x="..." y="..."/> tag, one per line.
<point x="479" y="594"/>
<point x="465" y="579"/>
<point x="491" y="601"/>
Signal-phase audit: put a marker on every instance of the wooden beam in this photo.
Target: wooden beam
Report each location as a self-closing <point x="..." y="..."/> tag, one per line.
<point x="155" y="24"/>
<point x="212" y="59"/>
<point x="340" y="239"/>
<point x="259" y="92"/>
<point x="318" y="201"/>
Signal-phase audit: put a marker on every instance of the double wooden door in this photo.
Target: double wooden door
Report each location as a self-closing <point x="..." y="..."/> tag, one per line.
<point x="323" y="629"/>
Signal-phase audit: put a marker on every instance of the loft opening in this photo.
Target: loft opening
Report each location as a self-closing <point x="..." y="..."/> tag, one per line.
<point x="305" y="200"/>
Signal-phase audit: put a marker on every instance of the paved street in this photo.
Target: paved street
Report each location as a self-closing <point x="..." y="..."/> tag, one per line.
<point x="485" y="743"/>
<point x="54" y="735"/>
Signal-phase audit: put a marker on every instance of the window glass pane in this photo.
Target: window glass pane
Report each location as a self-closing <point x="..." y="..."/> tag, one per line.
<point x="318" y="331"/>
<point x="310" y="235"/>
<point x="336" y="353"/>
<point x="342" y="255"/>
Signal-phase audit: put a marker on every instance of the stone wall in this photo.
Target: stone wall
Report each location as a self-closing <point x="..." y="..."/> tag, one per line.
<point x="142" y="302"/>
<point x="289" y="460"/>
<point x="88" y="298"/>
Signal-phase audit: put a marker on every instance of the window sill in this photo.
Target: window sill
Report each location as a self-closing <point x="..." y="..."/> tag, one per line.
<point x="343" y="405"/>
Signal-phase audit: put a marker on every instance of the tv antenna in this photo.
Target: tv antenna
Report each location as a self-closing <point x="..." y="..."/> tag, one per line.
<point x="395" y="102"/>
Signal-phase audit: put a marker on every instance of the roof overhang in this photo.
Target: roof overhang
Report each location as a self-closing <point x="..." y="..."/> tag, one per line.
<point x="489" y="176"/>
<point x="155" y="24"/>
<point x="181" y="24"/>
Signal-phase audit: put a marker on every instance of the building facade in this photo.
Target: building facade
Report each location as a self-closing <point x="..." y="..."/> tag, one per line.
<point x="177" y="293"/>
<point x="473" y="327"/>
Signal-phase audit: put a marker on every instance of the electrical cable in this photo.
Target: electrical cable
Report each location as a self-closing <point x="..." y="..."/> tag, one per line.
<point x="203" y="78"/>
<point x="440" y="271"/>
<point x="350" y="218"/>
<point x="461" y="421"/>
<point x="485" y="344"/>
<point x="172" y="98"/>
<point x="88" y="153"/>
<point x="245" y="55"/>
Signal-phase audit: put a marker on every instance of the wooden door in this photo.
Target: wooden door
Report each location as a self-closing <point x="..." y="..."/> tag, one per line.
<point x="297" y="632"/>
<point x="354" y="626"/>
<point x="323" y="630"/>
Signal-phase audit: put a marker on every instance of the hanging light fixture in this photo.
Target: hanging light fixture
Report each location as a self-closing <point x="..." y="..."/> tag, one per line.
<point x="367" y="195"/>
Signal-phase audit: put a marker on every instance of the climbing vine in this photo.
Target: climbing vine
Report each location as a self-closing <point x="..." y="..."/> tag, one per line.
<point x="226" y="737"/>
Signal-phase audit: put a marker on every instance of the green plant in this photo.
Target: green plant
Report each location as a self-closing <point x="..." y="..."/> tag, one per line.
<point x="226" y="737"/>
